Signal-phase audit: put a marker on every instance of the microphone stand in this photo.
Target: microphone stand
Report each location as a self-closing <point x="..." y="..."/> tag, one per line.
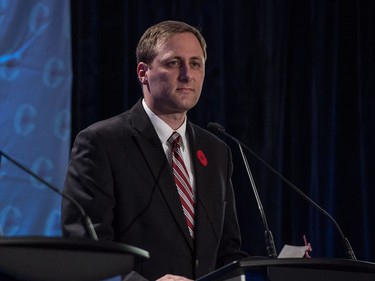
<point x="86" y="219"/>
<point x="269" y="241"/>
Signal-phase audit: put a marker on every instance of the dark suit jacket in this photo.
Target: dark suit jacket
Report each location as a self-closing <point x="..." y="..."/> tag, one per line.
<point x="120" y="174"/>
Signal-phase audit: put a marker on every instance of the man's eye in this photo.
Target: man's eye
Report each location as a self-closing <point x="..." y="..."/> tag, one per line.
<point x="173" y="63"/>
<point x="195" y="65"/>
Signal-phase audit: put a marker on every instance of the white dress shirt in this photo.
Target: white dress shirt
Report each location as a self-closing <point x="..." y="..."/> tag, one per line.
<point x="164" y="132"/>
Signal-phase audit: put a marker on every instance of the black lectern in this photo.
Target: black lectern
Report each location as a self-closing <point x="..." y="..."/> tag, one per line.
<point x="62" y="259"/>
<point x="294" y="270"/>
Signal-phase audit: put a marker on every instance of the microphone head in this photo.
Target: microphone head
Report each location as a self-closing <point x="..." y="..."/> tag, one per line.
<point x="215" y="127"/>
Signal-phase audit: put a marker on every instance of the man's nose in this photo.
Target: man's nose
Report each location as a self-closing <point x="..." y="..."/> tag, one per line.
<point x="185" y="72"/>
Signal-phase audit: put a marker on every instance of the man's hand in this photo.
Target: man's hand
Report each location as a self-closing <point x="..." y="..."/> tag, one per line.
<point x="173" y="277"/>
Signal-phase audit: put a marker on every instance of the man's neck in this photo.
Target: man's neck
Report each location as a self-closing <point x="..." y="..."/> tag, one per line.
<point x="174" y="120"/>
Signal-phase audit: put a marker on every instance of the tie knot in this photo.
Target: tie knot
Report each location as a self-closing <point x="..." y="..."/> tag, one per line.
<point x="174" y="139"/>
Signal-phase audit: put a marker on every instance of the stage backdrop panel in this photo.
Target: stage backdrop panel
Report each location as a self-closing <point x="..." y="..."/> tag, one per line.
<point x="35" y="99"/>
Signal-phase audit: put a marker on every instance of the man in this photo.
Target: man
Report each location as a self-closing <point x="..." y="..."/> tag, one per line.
<point x="172" y="198"/>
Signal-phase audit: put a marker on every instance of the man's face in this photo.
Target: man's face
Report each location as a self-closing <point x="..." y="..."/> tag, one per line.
<point x="175" y="77"/>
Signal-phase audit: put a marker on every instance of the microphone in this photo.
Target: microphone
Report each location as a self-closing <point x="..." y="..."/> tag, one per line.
<point x="270" y="244"/>
<point x="217" y="128"/>
<point x="85" y="218"/>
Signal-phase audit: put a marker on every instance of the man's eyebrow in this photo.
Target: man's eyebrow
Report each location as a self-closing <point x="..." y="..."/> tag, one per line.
<point x="180" y="58"/>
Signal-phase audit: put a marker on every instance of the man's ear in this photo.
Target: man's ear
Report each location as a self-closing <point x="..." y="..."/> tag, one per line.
<point x="142" y="73"/>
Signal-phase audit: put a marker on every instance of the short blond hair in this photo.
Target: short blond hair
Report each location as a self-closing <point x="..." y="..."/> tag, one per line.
<point x="159" y="33"/>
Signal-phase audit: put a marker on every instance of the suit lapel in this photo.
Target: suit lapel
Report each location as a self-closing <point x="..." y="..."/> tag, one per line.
<point x="149" y="144"/>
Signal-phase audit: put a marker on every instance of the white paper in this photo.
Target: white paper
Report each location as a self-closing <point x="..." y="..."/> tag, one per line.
<point x="290" y="251"/>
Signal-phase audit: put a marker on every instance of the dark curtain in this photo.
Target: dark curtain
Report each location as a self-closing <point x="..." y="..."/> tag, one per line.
<point x="293" y="80"/>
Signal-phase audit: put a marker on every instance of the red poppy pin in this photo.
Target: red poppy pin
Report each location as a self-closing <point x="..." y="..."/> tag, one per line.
<point x="202" y="158"/>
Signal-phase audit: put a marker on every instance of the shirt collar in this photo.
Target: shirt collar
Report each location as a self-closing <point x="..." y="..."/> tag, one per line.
<point x="162" y="129"/>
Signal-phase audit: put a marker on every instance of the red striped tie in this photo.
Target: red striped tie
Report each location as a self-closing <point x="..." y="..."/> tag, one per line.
<point x="181" y="178"/>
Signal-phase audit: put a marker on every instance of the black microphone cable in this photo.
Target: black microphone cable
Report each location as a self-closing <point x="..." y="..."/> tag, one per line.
<point x="214" y="127"/>
<point x="269" y="241"/>
<point x="86" y="219"/>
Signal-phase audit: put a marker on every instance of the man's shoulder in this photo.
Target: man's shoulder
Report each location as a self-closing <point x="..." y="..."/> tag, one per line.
<point x="122" y="121"/>
<point x="109" y="124"/>
<point x="118" y="127"/>
<point x="202" y="135"/>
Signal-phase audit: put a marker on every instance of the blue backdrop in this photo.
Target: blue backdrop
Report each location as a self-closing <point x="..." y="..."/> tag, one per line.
<point x="35" y="98"/>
